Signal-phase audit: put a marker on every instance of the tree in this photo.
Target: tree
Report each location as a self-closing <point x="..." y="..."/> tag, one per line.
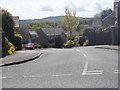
<point x="70" y="21"/>
<point x="8" y="24"/>
<point x="106" y="13"/>
<point x="103" y="13"/>
<point x="8" y="27"/>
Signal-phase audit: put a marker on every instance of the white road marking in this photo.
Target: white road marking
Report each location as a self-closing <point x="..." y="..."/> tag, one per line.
<point x="85" y="68"/>
<point x="62" y="75"/>
<point x="95" y="72"/>
<point x="116" y="71"/>
<point x="32" y="76"/>
<point x="92" y="72"/>
<point x="82" y="53"/>
<point x="3" y="77"/>
<point x="77" y="50"/>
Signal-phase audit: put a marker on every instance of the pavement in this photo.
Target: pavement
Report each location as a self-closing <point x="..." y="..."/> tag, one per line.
<point x="20" y="57"/>
<point x="28" y="55"/>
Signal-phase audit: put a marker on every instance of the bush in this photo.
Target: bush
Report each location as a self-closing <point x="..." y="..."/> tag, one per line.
<point x="18" y="41"/>
<point x="11" y="49"/>
<point x="38" y="46"/>
<point x="7" y="24"/>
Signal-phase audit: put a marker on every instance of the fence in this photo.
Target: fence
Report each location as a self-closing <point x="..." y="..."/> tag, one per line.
<point x="107" y="37"/>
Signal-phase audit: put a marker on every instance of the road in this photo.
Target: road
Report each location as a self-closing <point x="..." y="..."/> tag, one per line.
<point x="81" y="67"/>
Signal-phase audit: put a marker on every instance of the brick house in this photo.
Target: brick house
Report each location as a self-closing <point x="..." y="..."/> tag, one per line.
<point x="117" y="12"/>
<point x="50" y="37"/>
<point x="29" y="35"/>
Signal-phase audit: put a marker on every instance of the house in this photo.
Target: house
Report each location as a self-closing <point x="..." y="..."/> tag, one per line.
<point x="16" y="21"/>
<point x="29" y="35"/>
<point x="52" y="37"/>
<point x="97" y="22"/>
<point x="75" y="33"/>
<point x="33" y="36"/>
<point x="109" y="20"/>
<point x="117" y="12"/>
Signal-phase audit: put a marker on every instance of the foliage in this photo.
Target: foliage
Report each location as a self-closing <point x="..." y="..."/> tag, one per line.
<point x="39" y="25"/>
<point x="18" y="41"/>
<point x="38" y="46"/>
<point x="9" y="47"/>
<point x="8" y="24"/>
<point x="70" y="22"/>
<point x="103" y="13"/>
<point x="55" y="19"/>
<point x="52" y="20"/>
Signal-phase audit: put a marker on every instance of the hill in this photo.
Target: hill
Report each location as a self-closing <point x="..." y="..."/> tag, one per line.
<point x="55" y="19"/>
<point x="48" y="19"/>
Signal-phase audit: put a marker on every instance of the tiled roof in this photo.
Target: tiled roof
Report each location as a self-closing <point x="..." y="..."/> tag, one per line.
<point x="33" y="32"/>
<point x="97" y="22"/>
<point x="52" y="31"/>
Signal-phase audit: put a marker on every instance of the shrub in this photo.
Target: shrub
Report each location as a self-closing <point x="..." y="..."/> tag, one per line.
<point x="18" y="41"/>
<point x="38" y="46"/>
<point x="23" y="45"/>
<point x="7" y="24"/>
<point x="11" y="49"/>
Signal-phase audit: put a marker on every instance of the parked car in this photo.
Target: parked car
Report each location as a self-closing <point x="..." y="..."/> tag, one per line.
<point x="30" y="46"/>
<point x="69" y="44"/>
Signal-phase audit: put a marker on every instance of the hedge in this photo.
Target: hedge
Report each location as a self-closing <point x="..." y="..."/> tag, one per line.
<point x="17" y="41"/>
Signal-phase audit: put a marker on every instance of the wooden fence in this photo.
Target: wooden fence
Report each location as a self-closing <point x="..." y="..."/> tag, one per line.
<point x="107" y="37"/>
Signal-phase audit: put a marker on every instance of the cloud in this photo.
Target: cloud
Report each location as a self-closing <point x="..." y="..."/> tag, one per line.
<point x="46" y="8"/>
<point x="79" y="8"/>
<point x="85" y="7"/>
<point x="95" y="6"/>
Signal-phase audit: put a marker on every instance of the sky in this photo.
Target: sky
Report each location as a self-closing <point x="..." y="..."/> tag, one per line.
<point x="38" y="9"/>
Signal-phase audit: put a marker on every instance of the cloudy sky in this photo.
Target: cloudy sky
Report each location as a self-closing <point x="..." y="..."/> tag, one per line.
<point x="37" y="9"/>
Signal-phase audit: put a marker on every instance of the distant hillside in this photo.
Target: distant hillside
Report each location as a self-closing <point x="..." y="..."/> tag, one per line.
<point x="53" y="19"/>
<point x="48" y="19"/>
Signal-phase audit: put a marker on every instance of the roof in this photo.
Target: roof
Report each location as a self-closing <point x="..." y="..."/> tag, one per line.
<point x="33" y="32"/>
<point x="52" y="31"/>
<point x="111" y="14"/>
<point x="116" y="0"/>
<point x="97" y="22"/>
<point x="74" y="33"/>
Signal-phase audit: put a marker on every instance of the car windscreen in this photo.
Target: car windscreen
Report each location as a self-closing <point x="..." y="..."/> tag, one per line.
<point x="30" y="44"/>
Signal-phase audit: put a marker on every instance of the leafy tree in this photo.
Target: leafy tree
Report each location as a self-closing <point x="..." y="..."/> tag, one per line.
<point x="26" y="26"/>
<point x="103" y="13"/>
<point x="39" y="25"/>
<point x="70" y="21"/>
<point x="8" y="24"/>
<point x="106" y="13"/>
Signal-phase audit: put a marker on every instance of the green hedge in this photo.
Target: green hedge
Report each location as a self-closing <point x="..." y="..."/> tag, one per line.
<point x="18" y="41"/>
<point x="38" y="46"/>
